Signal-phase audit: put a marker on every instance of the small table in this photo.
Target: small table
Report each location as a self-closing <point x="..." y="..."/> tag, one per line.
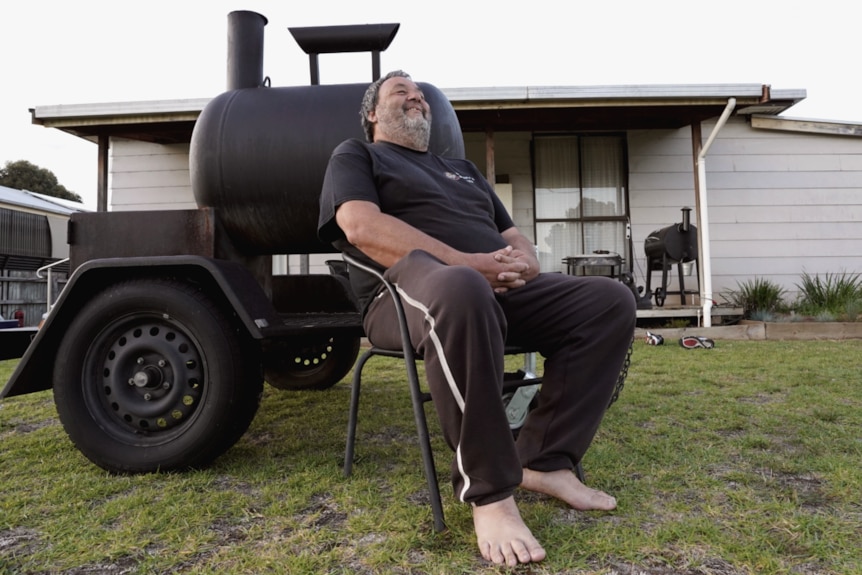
<point x="595" y="264"/>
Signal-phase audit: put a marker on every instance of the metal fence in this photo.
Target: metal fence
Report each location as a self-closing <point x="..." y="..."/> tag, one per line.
<point x="25" y="292"/>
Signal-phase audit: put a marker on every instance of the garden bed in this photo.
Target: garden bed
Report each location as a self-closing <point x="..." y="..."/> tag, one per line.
<point x="760" y="330"/>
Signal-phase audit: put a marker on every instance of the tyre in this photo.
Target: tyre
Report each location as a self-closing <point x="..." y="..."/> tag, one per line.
<point x="153" y="375"/>
<point x="300" y="364"/>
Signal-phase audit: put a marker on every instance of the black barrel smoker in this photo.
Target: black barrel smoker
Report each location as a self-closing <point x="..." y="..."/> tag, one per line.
<point x="673" y="245"/>
<point x="172" y="319"/>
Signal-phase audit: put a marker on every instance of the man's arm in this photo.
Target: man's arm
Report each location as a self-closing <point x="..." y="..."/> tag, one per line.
<point x="386" y="239"/>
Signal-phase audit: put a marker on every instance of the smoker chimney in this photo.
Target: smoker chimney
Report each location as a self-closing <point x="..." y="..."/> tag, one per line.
<point x="686" y="220"/>
<point x="245" y="49"/>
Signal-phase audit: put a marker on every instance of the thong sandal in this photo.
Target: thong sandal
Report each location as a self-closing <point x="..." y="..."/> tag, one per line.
<point x="694" y="341"/>
<point x="654" y="338"/>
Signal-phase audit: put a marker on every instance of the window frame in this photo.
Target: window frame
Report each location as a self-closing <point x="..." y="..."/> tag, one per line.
<point x="581" y="220"/>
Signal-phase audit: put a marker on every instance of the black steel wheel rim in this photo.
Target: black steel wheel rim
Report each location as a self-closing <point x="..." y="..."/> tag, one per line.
<point x="144" y="379"/>
<point x="307" y="360"/>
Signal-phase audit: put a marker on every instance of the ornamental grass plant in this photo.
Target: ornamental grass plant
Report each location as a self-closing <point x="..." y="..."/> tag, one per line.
<point x="832" y="297"/>
<point x="759" y="298"/>
<point x="839" y="295"/>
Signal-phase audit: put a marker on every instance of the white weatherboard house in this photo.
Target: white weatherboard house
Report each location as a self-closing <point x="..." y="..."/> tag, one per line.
<point x="586" y="169"/>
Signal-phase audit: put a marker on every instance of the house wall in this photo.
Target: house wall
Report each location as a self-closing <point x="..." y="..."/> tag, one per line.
<point x="661" y="183"/>
<point x="59" y="226"/>
<point x="146" y="176"/>
<point x="780" y="204"/>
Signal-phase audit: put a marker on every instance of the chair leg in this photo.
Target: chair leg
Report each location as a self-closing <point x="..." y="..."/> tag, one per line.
<point x="354" y="412"/>
<point x="425" y="442"/>
<point x="418" y="400"/>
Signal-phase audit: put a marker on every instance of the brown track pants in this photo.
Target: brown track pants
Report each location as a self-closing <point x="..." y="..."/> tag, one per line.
<point x="581" y="325"/>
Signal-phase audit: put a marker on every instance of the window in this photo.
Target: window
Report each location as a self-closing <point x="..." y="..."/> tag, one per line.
<point x="581" y="197"/>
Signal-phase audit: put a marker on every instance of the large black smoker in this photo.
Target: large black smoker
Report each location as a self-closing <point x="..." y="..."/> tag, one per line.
<point x="158" y="346"/>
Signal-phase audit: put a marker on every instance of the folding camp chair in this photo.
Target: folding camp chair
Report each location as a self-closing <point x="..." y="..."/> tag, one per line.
<point x="519" y="387"/>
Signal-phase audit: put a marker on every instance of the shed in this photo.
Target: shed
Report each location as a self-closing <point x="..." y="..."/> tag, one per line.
<point x="32" y="236"/>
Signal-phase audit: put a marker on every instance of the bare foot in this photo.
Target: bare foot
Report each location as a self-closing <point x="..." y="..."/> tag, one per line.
<point x="502" y="535"/>
<point x="565" y="486"/>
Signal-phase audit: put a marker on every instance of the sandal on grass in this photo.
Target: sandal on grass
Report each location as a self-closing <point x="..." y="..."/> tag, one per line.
<point x="694" y="341"/>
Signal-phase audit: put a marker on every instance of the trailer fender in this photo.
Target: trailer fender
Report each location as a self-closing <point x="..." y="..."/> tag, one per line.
<point x="223" y="280"/>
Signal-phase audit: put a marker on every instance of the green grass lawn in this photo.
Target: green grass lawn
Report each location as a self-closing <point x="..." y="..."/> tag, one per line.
<point x="740" y="459"/>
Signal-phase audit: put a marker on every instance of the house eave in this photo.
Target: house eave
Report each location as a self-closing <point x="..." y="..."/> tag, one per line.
<point x="527" y="108"/>
<point x="595" y="108"/>
<point x="160" y="121"/>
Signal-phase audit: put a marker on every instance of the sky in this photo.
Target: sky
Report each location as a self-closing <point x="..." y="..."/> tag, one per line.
<point x="59" y="52"/>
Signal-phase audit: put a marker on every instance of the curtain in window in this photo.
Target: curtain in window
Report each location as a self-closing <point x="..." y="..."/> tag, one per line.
<point x="604" y="194"/>
<point x="580" y="197"/>
<point x="558" y="186"/>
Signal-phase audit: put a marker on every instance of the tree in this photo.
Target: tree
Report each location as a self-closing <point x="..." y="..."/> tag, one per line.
<point x="22" y="175"/>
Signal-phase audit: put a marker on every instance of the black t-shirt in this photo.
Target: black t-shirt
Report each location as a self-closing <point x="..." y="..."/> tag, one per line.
<point x="446" y="198"/>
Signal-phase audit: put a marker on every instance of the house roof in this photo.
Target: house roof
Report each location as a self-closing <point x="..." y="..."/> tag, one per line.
<point x="159" y="121"/>
<point x="38" y="202"/>
<point x="539" y="108"/>
<point x="624" y="107"/>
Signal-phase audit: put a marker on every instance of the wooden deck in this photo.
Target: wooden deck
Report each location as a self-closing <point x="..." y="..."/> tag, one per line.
<point x="670" y="311"/>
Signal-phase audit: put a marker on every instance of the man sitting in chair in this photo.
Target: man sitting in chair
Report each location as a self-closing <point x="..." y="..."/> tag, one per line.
<point x="470" y="282"/>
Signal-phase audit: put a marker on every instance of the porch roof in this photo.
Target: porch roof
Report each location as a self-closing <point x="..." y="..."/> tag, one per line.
<point x="541" y="108"/>
<point x="631" y="107"/>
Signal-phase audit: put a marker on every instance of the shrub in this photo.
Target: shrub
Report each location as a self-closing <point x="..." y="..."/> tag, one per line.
<point x="838" y="295"/>
<point x="758" y="298"/>
<point x="853" y="310"/>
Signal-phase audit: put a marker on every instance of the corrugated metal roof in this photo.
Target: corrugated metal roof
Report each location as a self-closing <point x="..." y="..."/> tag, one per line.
<point x="40" y="202"/>
<point x="170" y="108"/>
<point x="542" y="108"/>
<point x="610" y="92"/>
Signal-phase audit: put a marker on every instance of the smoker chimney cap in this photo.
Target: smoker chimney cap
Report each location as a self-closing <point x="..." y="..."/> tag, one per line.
<point x="351" y="38"/>
<point x="247" y="14"/>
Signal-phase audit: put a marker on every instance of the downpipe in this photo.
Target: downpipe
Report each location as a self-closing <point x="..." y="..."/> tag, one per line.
<point x="705" y="264"/>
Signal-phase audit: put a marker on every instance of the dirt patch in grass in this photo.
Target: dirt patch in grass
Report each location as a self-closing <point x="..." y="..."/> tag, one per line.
<point x="23" y="427"/>
<point x="710" y="566"/>
<point x="322" y="513"/>
<point x="17" y="544"/>
<point x="18" y="541"/>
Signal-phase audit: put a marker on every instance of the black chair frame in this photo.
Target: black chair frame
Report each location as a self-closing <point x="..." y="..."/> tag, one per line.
<point x="521" y="380"/>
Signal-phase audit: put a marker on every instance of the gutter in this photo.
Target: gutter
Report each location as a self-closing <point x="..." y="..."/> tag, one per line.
<point x="704" y="265"/>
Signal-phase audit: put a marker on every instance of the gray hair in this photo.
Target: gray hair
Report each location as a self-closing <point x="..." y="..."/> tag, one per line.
<point x="369" y="101"/>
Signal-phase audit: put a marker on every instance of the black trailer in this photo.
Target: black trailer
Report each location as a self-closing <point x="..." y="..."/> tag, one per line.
<point x="159" y="344"/>
<point x="15" y="340"/>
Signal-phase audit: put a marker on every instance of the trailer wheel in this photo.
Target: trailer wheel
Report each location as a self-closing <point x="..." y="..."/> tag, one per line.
<point x="153" y="375"/>
<point x="301" y="364"/>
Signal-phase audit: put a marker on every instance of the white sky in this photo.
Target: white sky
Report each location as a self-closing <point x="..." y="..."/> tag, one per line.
<point x="94" y="51"/>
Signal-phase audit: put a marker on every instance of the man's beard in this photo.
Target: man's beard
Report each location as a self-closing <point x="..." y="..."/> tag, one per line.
<point x="416" y="129"/>
<point x="409" y="130"/>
